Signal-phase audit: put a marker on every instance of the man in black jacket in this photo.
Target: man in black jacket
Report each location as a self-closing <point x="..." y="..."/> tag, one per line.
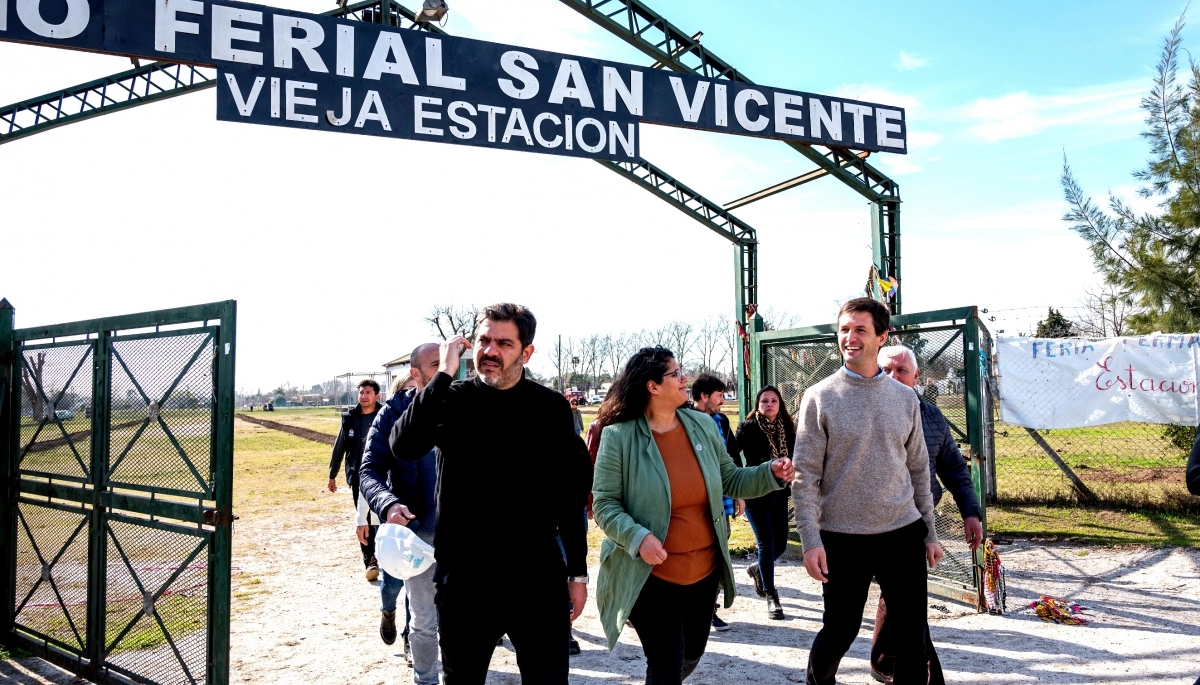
<point x="513" y="476"/>
<point x="356" y="423"/>
<point x="945" y="463"/>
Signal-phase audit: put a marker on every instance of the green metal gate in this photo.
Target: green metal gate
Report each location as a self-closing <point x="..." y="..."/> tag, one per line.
<point x="116" y="444"/>
<point x="954" y="354"/>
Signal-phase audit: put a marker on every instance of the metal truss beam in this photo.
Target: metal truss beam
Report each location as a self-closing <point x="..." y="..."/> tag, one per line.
<point x="140" y="86"/>
<point x="154" y="82"/>
<point x="780" y="187"/>
<point x="667" y="45"/>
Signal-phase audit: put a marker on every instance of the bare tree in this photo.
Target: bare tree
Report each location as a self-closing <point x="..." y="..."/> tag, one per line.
<point x="778" y="319"/>
<point x="711" y="343"/>
<point x="31" y="385"/>
<point x="679" y="339"/>
<point x="449" y="320"/>
<point x="560" y="357"/>
<point x="616" y="352"/>
<point x="1103" y="313"/>
<point x="590" y="358"/>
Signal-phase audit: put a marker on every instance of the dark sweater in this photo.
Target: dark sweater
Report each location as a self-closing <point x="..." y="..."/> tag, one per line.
<point x="1193" y="468"/>
<point x="512" y="474"/>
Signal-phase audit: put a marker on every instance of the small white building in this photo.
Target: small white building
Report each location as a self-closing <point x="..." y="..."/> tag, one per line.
<point x="397" y="368"/>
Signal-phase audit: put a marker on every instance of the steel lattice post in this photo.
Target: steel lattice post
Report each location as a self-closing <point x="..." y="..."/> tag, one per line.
<point x="10" y="417"/>
<point x="885" y="244"/>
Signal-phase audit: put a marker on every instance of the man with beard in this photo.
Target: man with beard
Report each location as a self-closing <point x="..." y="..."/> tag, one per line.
<point x="513" y="476"/>
<point x="862" y="499"/>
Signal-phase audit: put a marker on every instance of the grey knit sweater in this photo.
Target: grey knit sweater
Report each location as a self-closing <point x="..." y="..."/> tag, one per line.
<point x="860" y="457"/>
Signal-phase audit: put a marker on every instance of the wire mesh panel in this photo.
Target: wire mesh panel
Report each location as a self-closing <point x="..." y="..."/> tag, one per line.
<point x="118" y="439"/>
<point x="52" y="574"/>
<point x="1135" y="465"/>
<point x="795" y="365"/>
<point x="157" y="607"/>
<point x="161" y="416"/>
<point x="55" y="410"/>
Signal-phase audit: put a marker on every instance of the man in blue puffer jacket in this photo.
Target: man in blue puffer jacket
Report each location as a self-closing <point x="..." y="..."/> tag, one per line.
<point x="382" y="480"/>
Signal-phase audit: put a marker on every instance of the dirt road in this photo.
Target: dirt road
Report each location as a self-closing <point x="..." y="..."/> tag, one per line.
<point x="312" y="618"/>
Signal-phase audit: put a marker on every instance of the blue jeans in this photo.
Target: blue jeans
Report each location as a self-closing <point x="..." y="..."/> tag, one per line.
<point x="769" y="520"/>
<point x="389" y="592"/>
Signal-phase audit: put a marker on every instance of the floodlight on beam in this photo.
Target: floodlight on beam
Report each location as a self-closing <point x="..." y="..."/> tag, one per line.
<point x="432" y="10"/>
<point x="792" y="183"/>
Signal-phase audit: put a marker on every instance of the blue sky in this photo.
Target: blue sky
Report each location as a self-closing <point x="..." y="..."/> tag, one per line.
<point x="335" y="246"/>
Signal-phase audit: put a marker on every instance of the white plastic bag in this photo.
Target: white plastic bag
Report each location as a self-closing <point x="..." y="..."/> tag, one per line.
<point x="400" y="553"/>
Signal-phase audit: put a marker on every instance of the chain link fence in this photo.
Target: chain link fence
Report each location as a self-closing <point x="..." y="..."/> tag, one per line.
<point x="1129" y="465"/>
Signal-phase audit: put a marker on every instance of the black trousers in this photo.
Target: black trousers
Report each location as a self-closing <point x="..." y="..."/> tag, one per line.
<point x="473" y="614"/>
<point x="896" y="559"/>
<point x="368" y="550"/>
<point x="673" y="621"/>
<point x="883" y="648"/>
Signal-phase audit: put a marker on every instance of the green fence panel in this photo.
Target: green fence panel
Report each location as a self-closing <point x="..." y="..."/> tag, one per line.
<point x="117" y="452"/>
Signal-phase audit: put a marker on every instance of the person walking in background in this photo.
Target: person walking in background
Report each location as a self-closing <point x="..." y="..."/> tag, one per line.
<point x="576" y="416"/>
<point x="349" y="446"/>
<point x="660" y="474"/>
<point x="945" y="463"/>
<point x="863" y="504"/>
<point x="506" y="446"/>
<point x="382" y="479"/>
<point x="708" y="394"/>
<point x="768" y="434"/>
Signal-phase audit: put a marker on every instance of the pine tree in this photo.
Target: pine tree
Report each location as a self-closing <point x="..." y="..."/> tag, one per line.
<point x="1055" y="325"/>
<point x="1154" y="259"/>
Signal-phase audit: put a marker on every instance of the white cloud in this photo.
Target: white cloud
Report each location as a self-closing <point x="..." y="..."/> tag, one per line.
<point x="909" y="62"/>
<point x="869" y="92"/>
<point x="1020" y="115"/>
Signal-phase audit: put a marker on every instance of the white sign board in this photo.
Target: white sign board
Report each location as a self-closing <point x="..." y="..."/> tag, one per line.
<point x="1071" y="382"/>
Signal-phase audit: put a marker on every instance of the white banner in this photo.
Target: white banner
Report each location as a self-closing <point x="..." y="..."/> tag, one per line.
<point x="1071" y="382"/>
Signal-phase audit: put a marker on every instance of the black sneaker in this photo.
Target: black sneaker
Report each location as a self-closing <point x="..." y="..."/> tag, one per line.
<point x="387" y="627"/>
<point x="573" y="646"/>
<point x="754" y="573"/>
<point x="719" y="625"/>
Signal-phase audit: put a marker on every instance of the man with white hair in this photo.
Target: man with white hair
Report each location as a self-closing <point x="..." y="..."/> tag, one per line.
<point x="945" y="463"/>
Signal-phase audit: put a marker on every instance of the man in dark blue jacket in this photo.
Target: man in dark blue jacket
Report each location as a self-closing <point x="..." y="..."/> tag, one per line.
<point x="946" y="464"/>
<point x="413" y="484"/>
<point x="349" y="445"/>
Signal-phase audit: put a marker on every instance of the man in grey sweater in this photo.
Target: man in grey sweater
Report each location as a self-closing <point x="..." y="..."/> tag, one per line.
<point x="863" y="504"/>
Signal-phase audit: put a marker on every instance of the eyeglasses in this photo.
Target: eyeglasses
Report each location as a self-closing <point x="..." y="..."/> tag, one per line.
<point x="677" y="373"/>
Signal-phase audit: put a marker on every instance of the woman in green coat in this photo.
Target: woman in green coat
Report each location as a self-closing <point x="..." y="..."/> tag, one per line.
<point x="660" y="473"/>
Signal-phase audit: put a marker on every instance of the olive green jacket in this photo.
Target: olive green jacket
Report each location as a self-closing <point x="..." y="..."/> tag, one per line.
<point x="632" y="498"/>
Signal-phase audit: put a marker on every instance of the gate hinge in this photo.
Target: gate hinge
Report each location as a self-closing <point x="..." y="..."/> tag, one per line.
<point x="217" y="517"/>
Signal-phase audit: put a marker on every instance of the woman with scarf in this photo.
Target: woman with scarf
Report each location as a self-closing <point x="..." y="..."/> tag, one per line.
<point x="768" y="434"/>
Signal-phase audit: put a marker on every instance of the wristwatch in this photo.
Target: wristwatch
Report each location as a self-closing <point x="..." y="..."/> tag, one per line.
<point x="582" y="580"/>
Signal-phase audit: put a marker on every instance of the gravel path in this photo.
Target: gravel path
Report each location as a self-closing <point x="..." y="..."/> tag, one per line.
<point x="314" y="619"/>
